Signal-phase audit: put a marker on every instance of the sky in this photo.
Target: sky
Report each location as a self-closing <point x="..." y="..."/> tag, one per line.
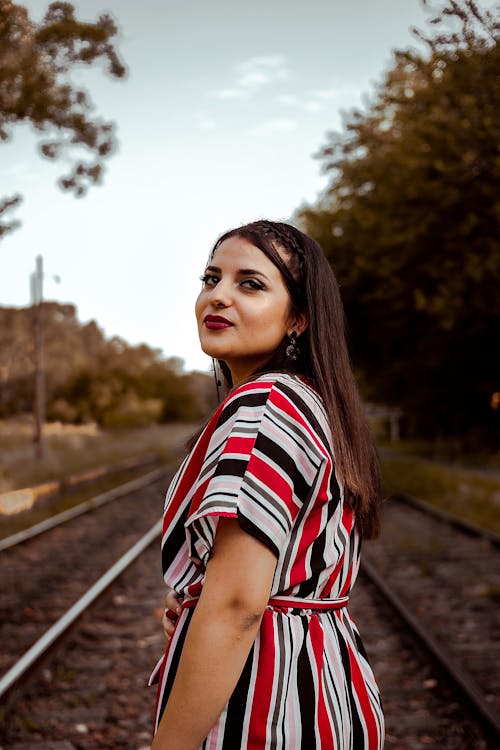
<point x="224" y="105"/>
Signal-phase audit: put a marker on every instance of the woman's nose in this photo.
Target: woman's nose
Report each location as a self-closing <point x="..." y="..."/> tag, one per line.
<point x="221" y="294"/>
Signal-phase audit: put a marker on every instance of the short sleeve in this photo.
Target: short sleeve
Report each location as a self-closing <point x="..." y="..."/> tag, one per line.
<point x="259" y="470"/>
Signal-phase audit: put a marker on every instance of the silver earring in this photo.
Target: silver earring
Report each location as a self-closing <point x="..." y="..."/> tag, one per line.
<point x="292" y="351"/>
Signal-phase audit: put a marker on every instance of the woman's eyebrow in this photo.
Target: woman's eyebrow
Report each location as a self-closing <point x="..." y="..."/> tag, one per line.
<point x="252" y="272"/>
<point x="241" y="271"/>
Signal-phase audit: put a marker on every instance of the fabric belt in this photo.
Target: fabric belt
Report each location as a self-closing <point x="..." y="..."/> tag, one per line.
<point x="292" y="602"/>
<point x="297" y="602"/>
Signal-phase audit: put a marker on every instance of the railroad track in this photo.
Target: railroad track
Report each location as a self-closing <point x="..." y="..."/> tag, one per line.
<point x="77" y="510"/>
<point x="43" y="576"/>
<point x="92" y="692"/>
<point x="427" y="693"/>
<point x="442" y="576"/>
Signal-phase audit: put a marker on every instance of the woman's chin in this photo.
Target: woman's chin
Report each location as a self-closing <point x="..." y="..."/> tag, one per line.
<point x="216" y="352"/>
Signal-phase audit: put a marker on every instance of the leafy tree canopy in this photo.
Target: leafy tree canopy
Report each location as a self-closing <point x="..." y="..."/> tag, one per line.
<point x="36" y="60"/>
<point x="90" y="377"/>
<point x="410" y="222"/>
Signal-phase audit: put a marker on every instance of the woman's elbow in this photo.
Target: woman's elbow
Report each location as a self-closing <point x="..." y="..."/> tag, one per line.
<point x="245" y="612"/>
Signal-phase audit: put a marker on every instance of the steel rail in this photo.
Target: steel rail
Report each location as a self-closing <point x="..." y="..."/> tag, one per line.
<point x="85" y="507"/>
<point x="462" y="680"/>
<point x="443" y="515"/>
<point x="59" y="629"/>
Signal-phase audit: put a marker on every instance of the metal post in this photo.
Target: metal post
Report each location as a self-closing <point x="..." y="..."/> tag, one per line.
<point x="39" y="396"/>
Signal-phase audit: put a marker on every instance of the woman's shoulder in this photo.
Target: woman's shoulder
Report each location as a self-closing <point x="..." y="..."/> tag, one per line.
<point x="292" y="393"/>
<point x="268" y="381"/>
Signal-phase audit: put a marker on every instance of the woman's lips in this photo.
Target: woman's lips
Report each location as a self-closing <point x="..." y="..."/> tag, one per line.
<point x="216" y="322"/>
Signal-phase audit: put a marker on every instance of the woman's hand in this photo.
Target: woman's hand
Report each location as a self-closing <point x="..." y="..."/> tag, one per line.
<point x="171" y="613"/>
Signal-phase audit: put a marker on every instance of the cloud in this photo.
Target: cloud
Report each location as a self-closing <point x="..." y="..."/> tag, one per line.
<point x="338" y="91"/>
<point x="313" y="107"/>
<point x="253" y="74"/>
<point x="316" y="100"/>
<point x="254" y="79"/>
<point x="273" y="126"/>
<point x="230" y="94"/>
<point x="287" y="99"/>
<point x="327" y="93"/>
<point x="308" y="104"/>
<point x="274" y="64"/>
<point x="207" y="123"/>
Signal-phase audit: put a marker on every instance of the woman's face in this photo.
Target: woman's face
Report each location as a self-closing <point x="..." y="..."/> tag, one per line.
<point x="244" y="308"/>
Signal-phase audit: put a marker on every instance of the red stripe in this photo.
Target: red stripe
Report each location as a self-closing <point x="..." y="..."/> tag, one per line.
<point x="241" y="444"/>
<point x="196" y="459"/>
<point x="272" y="479"/>
<point x="297" y="603"/>
<point x="316" y="635"/>
<point x="289" y="408"/>
<point x="359" y="687"/>
<point x="278" y="602"/>
<point x="263" y="685"/>
<point x="309" y="533"/>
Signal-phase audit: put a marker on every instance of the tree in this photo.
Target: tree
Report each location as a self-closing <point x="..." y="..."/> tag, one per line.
<point x="90" y="377"/>
<point x="411" y="221"/>
<point x="35" y="62"/>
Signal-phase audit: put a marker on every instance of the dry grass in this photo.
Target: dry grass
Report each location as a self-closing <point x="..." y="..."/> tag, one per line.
<point x="471" y="495"/>
<point x="69" y="449"/>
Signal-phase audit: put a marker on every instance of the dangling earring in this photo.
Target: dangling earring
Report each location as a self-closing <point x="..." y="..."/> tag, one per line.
<point x="218" y="382"/>
<point x="292" y="351"/>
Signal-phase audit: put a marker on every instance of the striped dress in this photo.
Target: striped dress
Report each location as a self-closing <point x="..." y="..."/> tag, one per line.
<point x="265" y="458"/>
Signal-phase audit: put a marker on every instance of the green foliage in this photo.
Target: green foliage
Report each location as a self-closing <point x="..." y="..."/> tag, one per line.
<point x="36" y="61"/>
<point x="410" y="222"/>
<point x="89" y="378"/>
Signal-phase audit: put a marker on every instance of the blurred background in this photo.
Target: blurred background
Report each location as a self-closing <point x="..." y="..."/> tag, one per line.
<point x="372" y="126"/>
<point x="133" y="134"/>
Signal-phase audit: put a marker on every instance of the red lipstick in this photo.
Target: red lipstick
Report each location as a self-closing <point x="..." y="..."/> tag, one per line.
<point x="216" y="322"/>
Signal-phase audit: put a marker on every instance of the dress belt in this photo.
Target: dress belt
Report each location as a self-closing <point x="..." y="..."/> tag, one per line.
<point x="291" y="602"/>
<point x="297" y="602"/>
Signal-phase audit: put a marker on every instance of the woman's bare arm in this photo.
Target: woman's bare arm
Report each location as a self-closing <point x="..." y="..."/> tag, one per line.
<point x="224" y="625"/>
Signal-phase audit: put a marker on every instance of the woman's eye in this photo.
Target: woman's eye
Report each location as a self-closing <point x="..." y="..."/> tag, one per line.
<point x="252" y="284"/>
<point x="209" y="280"/>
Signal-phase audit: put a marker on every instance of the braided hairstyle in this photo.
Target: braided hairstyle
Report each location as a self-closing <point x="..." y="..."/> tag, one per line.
<point x="324" y="358"/>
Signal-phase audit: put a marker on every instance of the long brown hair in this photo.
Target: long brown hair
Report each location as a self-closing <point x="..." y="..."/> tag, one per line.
<point x="324" y="359"/>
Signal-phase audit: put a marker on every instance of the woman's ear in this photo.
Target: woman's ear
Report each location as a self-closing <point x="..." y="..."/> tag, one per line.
<point x="299" y="323"/>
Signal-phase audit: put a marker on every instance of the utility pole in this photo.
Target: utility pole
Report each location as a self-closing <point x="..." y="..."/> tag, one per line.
<point x="39" y="397"/>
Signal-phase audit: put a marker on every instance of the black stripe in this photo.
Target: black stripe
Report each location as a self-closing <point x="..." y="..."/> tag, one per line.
<point x="257" y="533"/>
<point x="360" y="645"/>
<point x="318" y="548"/>
<point x="176" y="538"/>
<point x="334" y="698"/>
<point x="174" y="664"/>
<point x="246" y="399"/>
<point x="282" y="677"/>
<point x="237" y="706"/>
<point x="231" y="467"/>
<point x="301" y="436"/>
<point x="334" y="487"/>
<point x="358" y="735"/>
<point x="285" y="463"/>
<point x="302" y="407"/>
<point x="297" y="530"/>
<point x="307" y="694"/>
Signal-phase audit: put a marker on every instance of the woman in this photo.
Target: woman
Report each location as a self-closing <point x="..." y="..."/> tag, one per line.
<point x="263" y="520"/>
